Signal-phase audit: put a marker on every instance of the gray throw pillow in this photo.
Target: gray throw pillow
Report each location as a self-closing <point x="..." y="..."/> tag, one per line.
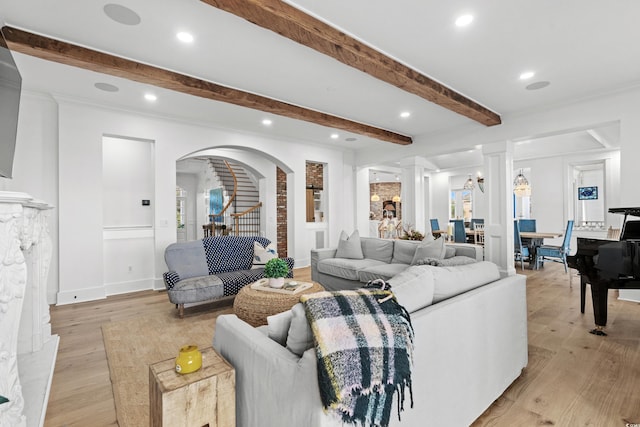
<point x="278" y="327"/>
<point x="349" y="246"/>
<point x="450" y="252"/>
<point x="300" y="337"/>
<point x="433" y="249"/>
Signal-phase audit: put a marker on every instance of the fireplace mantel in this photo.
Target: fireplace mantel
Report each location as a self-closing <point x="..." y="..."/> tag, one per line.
<point x="27" y="348"/>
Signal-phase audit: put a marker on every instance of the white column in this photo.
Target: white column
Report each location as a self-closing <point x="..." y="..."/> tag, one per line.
<point x="413" y="193"/>
<point x="498" y="230"/>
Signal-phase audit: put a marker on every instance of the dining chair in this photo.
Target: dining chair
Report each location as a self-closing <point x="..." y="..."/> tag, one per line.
<point x="556" y="253"/>
<point x="434" y="227"/>
<point x="459" y="233"/>
<point x="613" y="233"/>
<point x="520" y="252"/>
<point x="527" y="225"/>
<point x="478" y="234"/>
<point x="475" y="221"/>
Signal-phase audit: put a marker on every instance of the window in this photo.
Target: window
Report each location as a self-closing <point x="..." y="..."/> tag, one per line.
<point x="461" y="204"/>
<point x="181" y="208"/>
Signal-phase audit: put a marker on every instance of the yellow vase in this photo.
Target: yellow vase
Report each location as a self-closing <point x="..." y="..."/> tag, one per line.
<point x="189" y="359"/>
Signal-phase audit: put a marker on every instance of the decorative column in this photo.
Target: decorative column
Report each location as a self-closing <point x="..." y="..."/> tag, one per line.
<point x="498" y="228"/>
<point x="413" y="193"/>
<point x="23" y="231"/>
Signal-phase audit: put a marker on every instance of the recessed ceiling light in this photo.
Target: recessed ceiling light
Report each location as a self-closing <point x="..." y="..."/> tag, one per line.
<point x="527" y="75"/>
<point x="335" y="136"/>
<point x="267" y="122"/>
<point x="538" y="85"/>
<point x="150" y="97"/>
<point x="185" y="37"/>
<point x="106" y="87"/>
<point x="121" y="14"/>
<point x="464" y="20"/>
<point x="405" y="114"/>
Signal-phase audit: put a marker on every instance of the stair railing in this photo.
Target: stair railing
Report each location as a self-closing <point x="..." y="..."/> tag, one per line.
<point x="218" y="222"/>
<point x="247" y="223"/>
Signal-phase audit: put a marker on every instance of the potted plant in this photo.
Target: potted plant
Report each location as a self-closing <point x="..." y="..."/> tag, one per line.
<point x="276" y="269"/>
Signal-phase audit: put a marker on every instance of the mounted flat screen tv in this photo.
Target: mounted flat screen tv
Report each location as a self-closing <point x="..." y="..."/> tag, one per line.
<point x="10" y="86"/>
<point x="587" y="193"/>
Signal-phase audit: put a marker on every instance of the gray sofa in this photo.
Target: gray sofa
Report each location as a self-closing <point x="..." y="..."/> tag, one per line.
<point x="212" y="268"/>
<point x="382" y="259"/>
<point x="470" y="345"/>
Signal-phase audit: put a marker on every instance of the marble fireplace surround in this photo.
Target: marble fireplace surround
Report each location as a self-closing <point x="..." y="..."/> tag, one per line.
<point x="27" y="347"/>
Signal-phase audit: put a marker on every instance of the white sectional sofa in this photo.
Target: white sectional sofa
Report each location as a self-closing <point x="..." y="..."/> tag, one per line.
<point x="470" y="345"/>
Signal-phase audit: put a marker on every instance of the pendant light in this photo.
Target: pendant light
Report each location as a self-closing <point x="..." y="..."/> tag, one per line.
<point x="468" y="185"/>
<point x="375" y="197"/>
<point x="521" y="187"/>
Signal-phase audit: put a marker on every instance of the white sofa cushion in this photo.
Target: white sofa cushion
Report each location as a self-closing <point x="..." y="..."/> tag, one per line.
<point x="346" y="268"/>
<point x="382" y="271"/>
<point x="378" y="249"/>
<point x="451" y="281"/>
<point x="413" y="287"/>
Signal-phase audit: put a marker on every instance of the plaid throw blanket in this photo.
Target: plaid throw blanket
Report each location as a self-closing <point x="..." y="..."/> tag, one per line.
<point x="364" y="344"/>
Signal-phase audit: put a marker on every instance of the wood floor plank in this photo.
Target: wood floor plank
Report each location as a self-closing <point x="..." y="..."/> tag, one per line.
<point x="573" y="378"/>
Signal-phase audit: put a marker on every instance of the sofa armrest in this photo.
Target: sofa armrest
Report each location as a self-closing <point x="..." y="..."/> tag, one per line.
<point x="318" y="255"/>
<point x="468" y="249"/>
<point x="170" y="279"/>
<point x="268" y="376"/>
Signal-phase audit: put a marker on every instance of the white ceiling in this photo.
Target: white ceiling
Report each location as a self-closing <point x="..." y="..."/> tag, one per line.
<point x="582" y="47"/>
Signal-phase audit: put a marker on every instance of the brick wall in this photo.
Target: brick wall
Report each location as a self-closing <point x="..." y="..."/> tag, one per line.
<point x="386" y="191"/>
<point x="281" y="212"/>
<point x="315" y="175"/>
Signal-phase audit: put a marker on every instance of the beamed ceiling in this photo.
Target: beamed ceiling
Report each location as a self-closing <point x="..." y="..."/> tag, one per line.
<point x="347" y="68"/>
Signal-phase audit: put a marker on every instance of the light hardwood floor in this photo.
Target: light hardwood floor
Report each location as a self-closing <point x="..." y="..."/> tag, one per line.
<point x="573" y="378"/>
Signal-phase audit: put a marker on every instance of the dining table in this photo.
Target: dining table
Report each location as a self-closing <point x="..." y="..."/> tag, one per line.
<point x="531" y="239"/>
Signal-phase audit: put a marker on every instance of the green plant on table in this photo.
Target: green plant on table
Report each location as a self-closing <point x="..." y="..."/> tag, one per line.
<point x="276" y="267"/>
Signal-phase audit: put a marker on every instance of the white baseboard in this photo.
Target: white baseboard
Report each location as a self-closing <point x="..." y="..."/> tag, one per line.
<point x="81" y="295"/>
<point x="129" y="286"/>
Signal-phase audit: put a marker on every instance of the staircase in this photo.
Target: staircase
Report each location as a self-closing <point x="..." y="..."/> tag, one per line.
<point x="247" y="197"/>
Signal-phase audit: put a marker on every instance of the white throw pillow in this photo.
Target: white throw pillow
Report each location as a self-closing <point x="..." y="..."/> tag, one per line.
<point x="278" y="327"/>
<point x="349" y="246"/>
<point x="300" y="338"/>
<point x="433" y="249"/>
<point x="413" y="287"/>
<point x="261" y="254"/>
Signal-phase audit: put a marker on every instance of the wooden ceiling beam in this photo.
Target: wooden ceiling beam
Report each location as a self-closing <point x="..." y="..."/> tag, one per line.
<point x="292" y="23"/>
<point x="81" y="57"/>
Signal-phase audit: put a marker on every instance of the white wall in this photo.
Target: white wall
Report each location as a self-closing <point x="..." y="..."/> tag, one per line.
<point x="35" y="168"/>
<point x="68" y="174"/>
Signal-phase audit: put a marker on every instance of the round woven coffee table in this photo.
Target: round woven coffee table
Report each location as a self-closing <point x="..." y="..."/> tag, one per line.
<point x="254" y="306"/>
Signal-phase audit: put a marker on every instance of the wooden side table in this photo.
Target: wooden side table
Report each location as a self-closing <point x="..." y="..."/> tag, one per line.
<point x="254" y="306"/>
<point x="206" y="397"/>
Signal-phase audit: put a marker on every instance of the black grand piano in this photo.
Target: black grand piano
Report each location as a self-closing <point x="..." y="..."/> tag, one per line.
<point x="606" y="264"/>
